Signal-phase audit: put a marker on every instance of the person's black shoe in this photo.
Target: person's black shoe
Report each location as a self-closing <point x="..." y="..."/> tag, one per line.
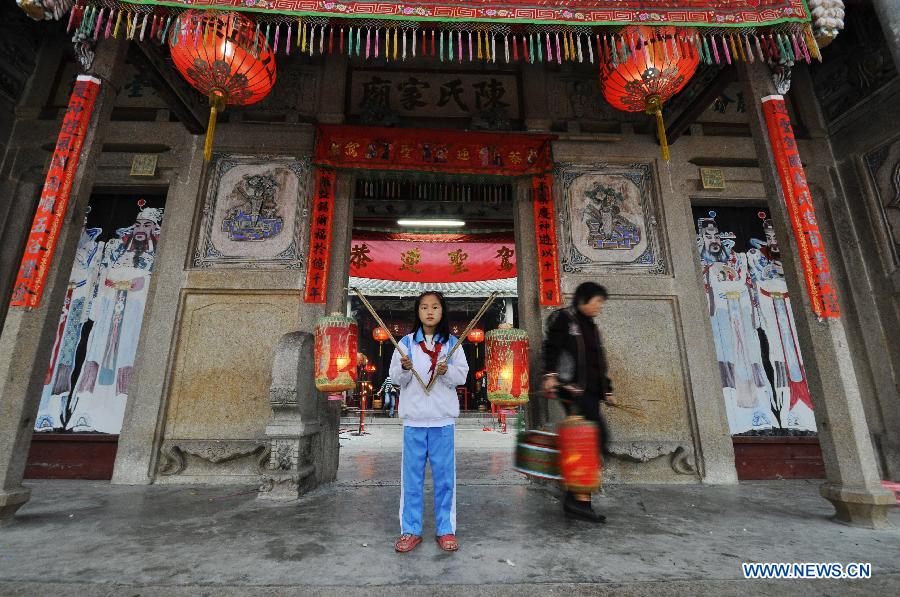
<point x="581" y="511"/>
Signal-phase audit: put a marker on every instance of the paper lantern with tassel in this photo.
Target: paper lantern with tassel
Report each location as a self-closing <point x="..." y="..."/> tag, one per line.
<point x="225" y="57"/>
<point x="380" y="334"/>
<point x="476" y="337"/>
<point x="336" y="353"/>
<point x="507" y="366"/>
<point x="656" y="68"/>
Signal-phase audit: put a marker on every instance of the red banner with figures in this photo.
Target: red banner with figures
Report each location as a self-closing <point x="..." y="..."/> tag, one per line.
<point x="545" y="235"/>
<point x="819" y="283"/>
<point x="51" y="210"/>
<point x="433" y="257"/>
<point x="464" y="152"/>
<point x="321" y="221"/>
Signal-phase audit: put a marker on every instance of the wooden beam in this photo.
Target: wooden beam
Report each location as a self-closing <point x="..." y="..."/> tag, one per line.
<point x="178" y="95"/>
<point x="701" y="101"/>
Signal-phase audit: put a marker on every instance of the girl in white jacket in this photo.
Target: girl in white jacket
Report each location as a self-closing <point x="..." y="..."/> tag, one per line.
<point x="428" y="421"/>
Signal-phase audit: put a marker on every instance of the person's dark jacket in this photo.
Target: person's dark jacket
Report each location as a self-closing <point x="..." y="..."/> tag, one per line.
<point x="573" y="350"/>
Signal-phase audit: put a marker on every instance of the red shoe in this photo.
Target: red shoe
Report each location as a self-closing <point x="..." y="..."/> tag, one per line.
<point x="448" y="542"/>
<point x="406" y="543"/>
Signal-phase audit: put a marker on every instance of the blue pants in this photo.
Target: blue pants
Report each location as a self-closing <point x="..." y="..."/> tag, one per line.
<point x="389" y="401"/>
<point x="435" y="444"/>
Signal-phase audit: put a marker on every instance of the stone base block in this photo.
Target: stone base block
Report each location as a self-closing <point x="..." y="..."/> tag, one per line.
<point x="859" y="506"/>
<point x="10" y="501"/>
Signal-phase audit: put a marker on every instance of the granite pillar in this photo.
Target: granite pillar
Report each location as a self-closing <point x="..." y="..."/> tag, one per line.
<point x="853" y="485"/>
<point x="888" y="12"/>
<point x="28" y="334"/>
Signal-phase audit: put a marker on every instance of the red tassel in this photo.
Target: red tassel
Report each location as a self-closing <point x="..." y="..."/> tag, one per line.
<point x="342" y="40"/>
<point x="515" y="45"/>
<point x="423" y="52"/>
<point x="433" y="53"/>
<point x="525" y="49"/>
<point x="330" y="39"/>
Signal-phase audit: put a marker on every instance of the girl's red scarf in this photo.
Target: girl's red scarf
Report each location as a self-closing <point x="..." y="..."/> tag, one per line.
<point x="433" y="355"/>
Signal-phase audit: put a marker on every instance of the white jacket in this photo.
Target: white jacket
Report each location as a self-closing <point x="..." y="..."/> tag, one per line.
<point x="440" y="407"/>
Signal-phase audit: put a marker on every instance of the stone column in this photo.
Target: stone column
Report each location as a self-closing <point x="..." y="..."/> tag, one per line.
<point x="853" y="486"/>
<point x="28" y="335"/>
<point x="888" y="12"/>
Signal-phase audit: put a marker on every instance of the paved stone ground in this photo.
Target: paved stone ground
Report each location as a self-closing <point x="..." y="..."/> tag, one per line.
<point x="83" y="538"/>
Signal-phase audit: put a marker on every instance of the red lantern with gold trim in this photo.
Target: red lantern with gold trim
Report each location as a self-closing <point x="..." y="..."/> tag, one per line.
<point x="507" y="366"/>
<point x="225" y="57"/>
<point x="336" y="353"/>
<point x="656" y="68"/>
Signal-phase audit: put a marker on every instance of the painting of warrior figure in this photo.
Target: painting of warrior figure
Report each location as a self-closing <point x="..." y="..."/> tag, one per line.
<point x="92" y="363"/>
<point x="750" y="310"/>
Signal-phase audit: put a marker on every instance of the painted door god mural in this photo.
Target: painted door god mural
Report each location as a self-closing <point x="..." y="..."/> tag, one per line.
<point x="96" y="342"/>
<point x="761" y="368"/>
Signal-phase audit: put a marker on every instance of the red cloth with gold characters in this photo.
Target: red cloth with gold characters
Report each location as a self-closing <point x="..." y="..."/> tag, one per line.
<point x="322" y="214"/>
<point x="545" y="237"/>
<point x="432" y="257"/>
<point x="51" y="210"/>
<point x="811" y="246"/>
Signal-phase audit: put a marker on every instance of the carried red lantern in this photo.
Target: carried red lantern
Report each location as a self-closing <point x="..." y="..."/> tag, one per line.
<point x="336" y="346"/>
<point x="507" y="366"/>
<point x="225" y="57"/>
<point x="380" y="335"/>
<point x="579" y="459"/>
<point x="655" y="70"/>
<point x="476" y="337"/>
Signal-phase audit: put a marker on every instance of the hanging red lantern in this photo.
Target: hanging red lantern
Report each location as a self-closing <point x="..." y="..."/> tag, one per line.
<point x="225" y="57"/>
<point x="371" y="368"/>
<point x="336" y="345"/>
<point x="476" y="337"/>
<point x="380" y="335"/>
<point x="479" y="374"/>
<point x="656" y="68"/>
<point x="507" y="366"/>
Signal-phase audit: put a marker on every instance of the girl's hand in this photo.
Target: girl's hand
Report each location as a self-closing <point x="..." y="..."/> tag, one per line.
<point x="405" y="363"/>
<point x="441" y="368"/>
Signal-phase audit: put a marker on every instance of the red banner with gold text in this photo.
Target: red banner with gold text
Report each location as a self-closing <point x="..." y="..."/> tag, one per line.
<point x="811" y="247"/>
<point x="545" y="236"/>
<point x="51" y="211"/>
<point x="321" y="221"/>
<point x="433" y="257"/>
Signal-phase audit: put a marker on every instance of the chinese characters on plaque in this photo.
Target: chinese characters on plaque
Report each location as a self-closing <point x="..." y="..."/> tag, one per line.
<point x="51" y="210"/>
<point x="320" y="237"/>
<point x="821" y="287"/>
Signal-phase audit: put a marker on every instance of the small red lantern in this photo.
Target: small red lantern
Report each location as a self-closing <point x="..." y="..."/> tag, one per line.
<point x="380" y="335"/>
<point x="225" y="57"/>
<point x="476" y="337"/>
<point x="479" y="374"/>
<point x="336" y="344"/>
<point x="651" y="75"/>
<point x="371" y="368"/>
<point x="507" y="366"/>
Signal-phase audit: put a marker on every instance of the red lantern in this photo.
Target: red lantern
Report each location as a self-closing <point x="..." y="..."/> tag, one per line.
<point x="476" y="337"/>
<point x="225" y="57"/>
<point x="507" y="366"/>
<point x="336" y="344"/>
<point x="380" y="335"/>
<point x="371" y="368"/>
<point x="657" y="68"/>
<point x="479" y="374"/>
<point x="579" y="459"/>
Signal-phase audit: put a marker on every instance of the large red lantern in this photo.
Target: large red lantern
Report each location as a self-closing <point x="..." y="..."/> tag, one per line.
<point x="336" y="353"/>
<point x="507" y="366"/>
<point x="657" y="68"/>
<point x="579" y="458"/>
<point x="225" y="57"/>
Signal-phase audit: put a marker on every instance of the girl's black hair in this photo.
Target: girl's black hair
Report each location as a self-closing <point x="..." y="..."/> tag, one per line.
<point x="442" y="332"/>
<point x="587" y="291"/>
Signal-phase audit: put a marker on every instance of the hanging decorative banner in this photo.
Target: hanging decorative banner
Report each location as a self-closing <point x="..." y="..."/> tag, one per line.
<point x="497" y="154"/>
<point x="545" y="234"/>
<point x="432" y="257"/>
<point x="51" y="210"/>
<point x="816" y="271"/>
<point x="576" y="12"/>
<point x="320" y="238"/>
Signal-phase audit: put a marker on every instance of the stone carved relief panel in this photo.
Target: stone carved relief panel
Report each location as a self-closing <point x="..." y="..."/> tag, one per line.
<point x="883" y="165"/>
<point x="254" y="213"/>
<point x="608" y="219"/>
